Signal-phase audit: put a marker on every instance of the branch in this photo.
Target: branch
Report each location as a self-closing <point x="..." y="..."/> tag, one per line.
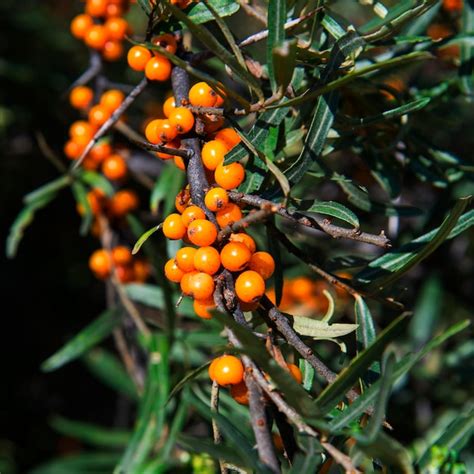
<point x="215" y="428"/>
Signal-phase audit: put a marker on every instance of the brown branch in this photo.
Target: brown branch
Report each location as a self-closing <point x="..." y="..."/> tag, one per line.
<point x="252" y="11"/>
<point x="215" y="428"/>
<point x="340" y="458"/>
<point x="205" y="110"/>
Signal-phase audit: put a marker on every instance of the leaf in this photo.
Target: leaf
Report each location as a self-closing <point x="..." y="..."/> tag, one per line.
<point x="186" y="379"/>
<point x="145" y="5"/>
<point x="276" y="18"/>
<point x="319" y="329"/>
<point x="49" y="188"/>
<point x="144" y="237"/>
<point x="91" y="463"/>
<point x="87" y="338"/>
<point x="198" y="13"/>
<point x="467" y="51"/>
<point x="80" y="194"/>
<point x="334" y="392"/>
<point x="335" y="209"/>
<point x="96" y="180"/>
<point x="284" y="63"/>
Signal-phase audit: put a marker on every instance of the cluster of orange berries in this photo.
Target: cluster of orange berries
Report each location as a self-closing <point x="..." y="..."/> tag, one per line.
<point x="228" y="371"/>
<point x="128" y="269"/>
<point x="115" y="207"/>
<point x="102" y="27"/>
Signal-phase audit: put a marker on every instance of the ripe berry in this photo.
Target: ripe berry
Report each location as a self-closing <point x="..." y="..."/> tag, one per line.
<point x="81" y="132"/>
<point x="176" y="144"/>
<point x="213" y="154"/>
<point x="295" y="372"/>
<point x="116" y="28"/>
<point x="185" y="259"/>
<point x="229" y="176"/>
<point x="81" y="97"/>
<point x="160" y="130"/>
<point x="112" y="50"/>
<point x="172" y="271"/>
<point x="201" y="286"/>
<point x="173" y="227"/>
<point x="125" y="274"/>
<point x="169" y="106"/>
<point x="192" y="213"/>
<point x="112" y="99"/>
<point x="179" y="162"/>
<point x="202" y="233"/>
<point x="142" y="270"/>
<point x="183" y="119"/>
<point x="158" y="68"/>
<point x="121" y="255"/>
<point x="202" y="308"/>
<point x="301" y="288"/>
<point x="245" y="239"/>
<point x="96" y="8"/>
<point x="228" y="371"/>
<point x="100" y="152"/>
<point x="216" y="199"/>
<point x="138" y="57"/>
<point x="114" y="167"/>
<point x="229" y="136"/>
<point x="185" y="283"/>
<point x="96" y="37"/>
<point x="235" y="256"/>
<point x="80" y="25"/>
<point x="123" y="202"/>
<point x="240" y="393"/>
<point x="100" y="263"/>
<point x="98" y="115"/>
<point x="228" y="215"/>
<point x="202" y="95"/>
<point x="182" y="199"/>
<point x="212" y="367"/>
<point x="249" y="286"/>
<point x="452" y="5"/>
<point x="114" y="10"/>
<point x="73" y="150"/>
<point x="207" y="260"/>
<point x="262" y="263"/>
<point x="166" y="41"/>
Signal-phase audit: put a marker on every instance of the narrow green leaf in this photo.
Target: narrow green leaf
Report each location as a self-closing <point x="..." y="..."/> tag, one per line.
<point x="284" y="63"/>
<point x="165" y="189"/>
<point x="49" y="188"/>
<point x="96" y="180"/>
<point x="80" y="194"/>
<point x="337" y="210"/>
<point x="144" y="237"/>
<point x="318" y="329"/>
<point x="466" y="69"/>
<point x="366" y="333"/>
<point x="276" y="19"/>
<point x="87" y="338"/>
<point x="91" y="463"/>
<point x="186" y="379"/>
<point x="199" y="14"/>
<point x="145" y="5"/>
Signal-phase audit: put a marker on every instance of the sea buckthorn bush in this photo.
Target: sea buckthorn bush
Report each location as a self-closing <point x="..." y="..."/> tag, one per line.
<point x="260" y="180"/>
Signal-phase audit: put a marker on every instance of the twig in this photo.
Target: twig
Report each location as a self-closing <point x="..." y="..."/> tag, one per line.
<point x="205" y="110"/>
<point x="252" y="11"/>
<point x="341" y="459"/>
<point x="215" y="428"/>
<point x="49" y="153"/>
<point x="95" y="66"/>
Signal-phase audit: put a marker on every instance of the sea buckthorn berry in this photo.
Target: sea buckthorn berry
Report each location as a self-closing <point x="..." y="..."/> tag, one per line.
<point x="216" y="199"/>
<point x="213" y="153"/>
<point x="73" y="150"/>
<point x="229" y="136"/>
<point x="185" y="283"/>
<point x="96" y="37"/>
<point x="179" y="162"/>
<point x="245" y="239"/>
<point x="138" y="57"/>
<point x="185" y="259"/>
<point x="228" y="215"/>
<point x="295" y="372"/>
<point x="249" y="286"/>
<point x="89" y="164"/>
<point x="112" y="99"/>
<point x="116" y="28"/>
<point x="158" y="68"/>
<point x="80" y="25"/>
<point x="166" y="41"/>
<point x="100" y="263"/>
<point x="169" y="106"/>
<point x="81" y="132"/>
<point x="123" y="202"/>
<point x="202" y="233"/>
<point x="142" y="270"/>
<point x="202" y="308"/>
<point x="166" y="156"/>
<point x="112" y="50"/>
<point x="301" y="288"/>
<point x="81" y="97"/>
<point x="96" y="199"/>
<point x="172" y="271"/>
<point x="125" y="273"/>
<point x="211" y="369"/>
<point x="183" y="119"/>
<point x="114" y="167"/>
<point x="115" y="9"/>
<point x="229" y="176"/>
<point x="96" y="8"/>
<point x="220" y="98"/>
<point x="452" y="5"/>
<point x="173" y="227"/>
<point x="207" y="260"/>
<point x="160" y="130"/>
<point x="98" y="115"/>
<point x="235" y="256"/>
<point x="100" y="152"/>
<point x="240" y="393"/>
<point x="201" y="286"/>
<point x="262" y="263"/>
<point x="192" y="213"/>
<point x="182" y="200"/>
<point x="202" y="95"/>
<point x="121" y="255"/>
<point x="228" y="371"/>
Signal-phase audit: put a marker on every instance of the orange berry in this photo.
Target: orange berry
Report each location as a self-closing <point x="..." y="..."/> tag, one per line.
<point x="453" y="5"/>
<point x="123" y="202"/>
<point x="176" y="144"/>
<point x="158" y="68"/>
<point x="114" y="167"/>
<point x="98" y="115"/>
<point x="169" y="106"/>
<point x="202" y="233"/>
<point x="213" y="154"/>
<point x="249" y="286"/>
<point x="81" y="132"/>
<point x="100" y="263"/>
<point x="142" y="270"/>
<point x="125" y="273"/>
<point x="172" y="271"/>
<point x="89" y="164"/>
<point x="220" y="99"/>
<point x="138" y="57"/>
<point x="185" y="259"/>
<point x="112" y="99"/>
<point x="112" y="50"/>
<point x="301" y="288"/>
<point x="121" y="255"/>
<point x="81" y="97"/>
<point x="114" y="10"/>
<point x="235" y="256"/>
<point x="185" y="283"/>
<point x="240" y="393"/>
<point x="295" y="372"/>
<point x="191" y="213"/>
<point x="229" y="136"/>
<point x="96" y="8"/>
<point x="116" y="28"/>
<point x="211" y="369"/>
<point x="201" y="308"/>
<point x="229" y="176"/>
<point x="202" y="95"/>
<point x="160" y="130"/>
<point x="201" y="286"/>
<point x="228" y="371"/>
<point x="183" y="119"/>
<point x="262" y="263"/>
<point x="245" y="239"/>
<point x="95" y="199"/>
<point x="207" y="260"/>
<point x="96" y="37"/>
<point x="182" y="200"/>
<point x="100" y="152"/>
<point x="173" y="227"/>
<point x="179" y="162"/>
<point x="216" y="199"/>
<point x="228" y="215"/>
<point x="166" y="41"/>
<point x="73" y="150"/>
<point x="80" y="25"/>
